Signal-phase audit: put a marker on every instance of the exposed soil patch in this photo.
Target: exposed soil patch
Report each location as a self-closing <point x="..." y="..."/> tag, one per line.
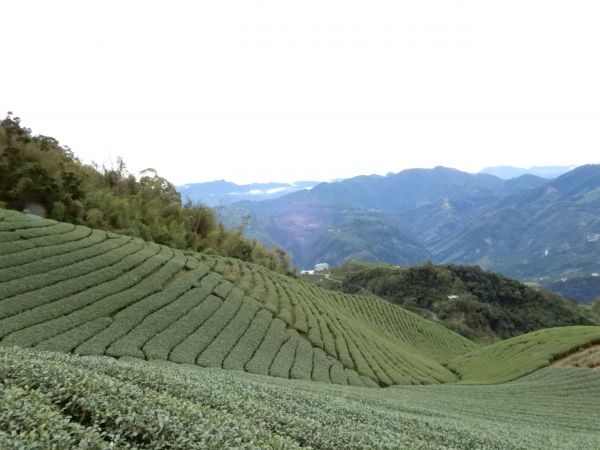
<point x="582" y="357"/>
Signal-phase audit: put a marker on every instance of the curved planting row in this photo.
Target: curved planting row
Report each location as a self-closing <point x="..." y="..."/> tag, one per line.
<point x="90" y="292"/>
<point x="380" y="341"/>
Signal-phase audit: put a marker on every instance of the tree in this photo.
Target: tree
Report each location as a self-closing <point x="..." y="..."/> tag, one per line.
<point x="40" y="175"/>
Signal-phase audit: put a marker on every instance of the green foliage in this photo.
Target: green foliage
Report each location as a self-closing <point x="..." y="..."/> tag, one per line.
<point x="30" y="420"/>
<point x="284" y="360"/>
<point x="230" y="334"/>
<point x="62" y="401"/>
<point x="42" y="177"/>
<point x="594" y="309"/>
<point x="521" y="355"/>
<point x="105" y="410"/>
<point x="269" y="347"/>
<point x="480" y="305"/>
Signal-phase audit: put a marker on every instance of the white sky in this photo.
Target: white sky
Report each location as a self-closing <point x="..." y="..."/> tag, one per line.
<point x="282" y="91"/>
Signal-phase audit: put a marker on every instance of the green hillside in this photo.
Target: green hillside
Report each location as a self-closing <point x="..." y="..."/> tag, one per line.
<point x="519" y="356"/>
<point x="40" y="176"/>
<point x="128" y="341"/>
<point x="548" y="231"/>
<point x="69" y="288"/>
<point x="478" y="304"/>
<point x="59" y="401"/>
<point x="73" y="289"/>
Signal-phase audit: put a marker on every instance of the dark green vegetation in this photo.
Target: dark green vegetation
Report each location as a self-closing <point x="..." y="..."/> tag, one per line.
<point x="478" y="304"/>
<point x="50" y="400"/>
<point x="39" y="175"/>
<point x="595" y="309"/>
<point x="144" y="330"/>
<point x="526" y="227"/>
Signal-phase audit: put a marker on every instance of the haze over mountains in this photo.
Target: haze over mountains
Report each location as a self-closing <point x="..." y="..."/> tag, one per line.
<point x="221" y="192"/>
<point x="508" y="172"/>
<point x="527" y="227"/>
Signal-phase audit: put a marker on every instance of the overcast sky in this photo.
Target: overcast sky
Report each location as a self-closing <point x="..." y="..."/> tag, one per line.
<point x="283" y="91"/>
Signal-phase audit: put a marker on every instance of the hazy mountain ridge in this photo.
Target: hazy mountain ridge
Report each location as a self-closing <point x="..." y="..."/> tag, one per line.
<point x="424" y="204"/>
<point x="508" y="172"/>
<point x="442" y="214"/>
<point x="549" y="230"/>
<point x="221" y="192"/>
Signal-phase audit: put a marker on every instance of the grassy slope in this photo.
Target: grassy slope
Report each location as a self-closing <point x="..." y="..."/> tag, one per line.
<point x="56" y="400"/>
<point x="521" y="355"/>
<point x="73" y="289"/>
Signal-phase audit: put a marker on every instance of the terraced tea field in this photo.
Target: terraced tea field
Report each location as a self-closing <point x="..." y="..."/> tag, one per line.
<point x="521" y="355"/>
<point x="73" y="289"/>
<point x="108" y="341"/>
<point x="99" y="402"/>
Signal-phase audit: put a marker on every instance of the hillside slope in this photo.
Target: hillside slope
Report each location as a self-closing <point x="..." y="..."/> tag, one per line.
<point x="551" y="230"/>
<point x="73" y="289"/>
<point x="480" y="305"/>
<point x="521" y="355"/>
<point x="40" y="176"/>
<point x="51" y="400"/>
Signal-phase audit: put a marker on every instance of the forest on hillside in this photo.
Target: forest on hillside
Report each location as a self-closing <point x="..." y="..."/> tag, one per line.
<point x="40" y="176"/>
<point x="481" y="305"/>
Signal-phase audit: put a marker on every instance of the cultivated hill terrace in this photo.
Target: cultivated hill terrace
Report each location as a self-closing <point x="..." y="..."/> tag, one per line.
<point x="73" y="289"/>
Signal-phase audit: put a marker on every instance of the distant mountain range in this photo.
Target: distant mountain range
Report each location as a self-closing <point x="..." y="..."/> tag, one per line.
<point x="552" y="229"/>
<point x="527" y="227"/>
<point x="393" y="218"/>
<point x="221" y="192"/>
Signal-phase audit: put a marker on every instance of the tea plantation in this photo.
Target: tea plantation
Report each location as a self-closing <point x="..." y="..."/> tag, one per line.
<point x="53" y="400"/>
<point x="73" y="289"/>
<point x="518" y="356"/>
<point x="143" y="333"/>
